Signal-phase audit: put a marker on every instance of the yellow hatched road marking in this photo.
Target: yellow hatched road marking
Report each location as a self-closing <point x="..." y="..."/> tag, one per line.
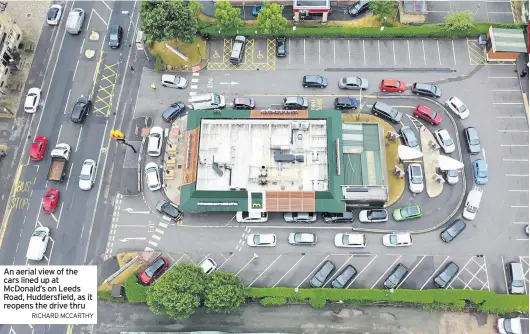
<point x="249" y="64"/>
<point x="105" y="93"/>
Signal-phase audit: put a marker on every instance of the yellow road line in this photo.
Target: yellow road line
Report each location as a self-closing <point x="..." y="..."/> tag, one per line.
<point x="69" y="329"/>
<point x="6" y="217"/>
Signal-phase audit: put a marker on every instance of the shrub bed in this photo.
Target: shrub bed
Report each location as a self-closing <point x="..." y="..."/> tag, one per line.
<point x="135" y="293"/>
<point x="273" y="301"/>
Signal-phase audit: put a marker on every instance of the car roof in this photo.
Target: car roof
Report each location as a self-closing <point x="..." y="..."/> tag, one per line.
<point x="267" y="238"/>
<point x="403" y="237"/>
<point x="456" y="100"/>
<point x="392" y="82"/>
<point x="242" y="100"/>
<point x="86" y="167"/>
<point x="355" y="238"/>
<point x="306" y="236"/>
<point x="472" y="131"/>
<point x="424" y="108"/>
<point x="156" y="130"/>
<point x="444" y="133"/>
<point x="424" y="86"/>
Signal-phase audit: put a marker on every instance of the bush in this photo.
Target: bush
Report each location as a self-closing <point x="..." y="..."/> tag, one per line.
<point x="318" y="302"/>
<point x="135" y="292"/>
<point x="273" y="301"/>
<point x="458" y="21"/>
<point x="159" y="63"/>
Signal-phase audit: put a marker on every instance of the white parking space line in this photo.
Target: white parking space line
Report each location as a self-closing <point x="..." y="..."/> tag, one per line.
<point x="453" y="45"/>
<point x="508" y="103"/>
<point x="252" y="259"/>
<point x="514" y="145"/>
<point x="434" y="273"/>
<point x="510" y="117"/>
<point x="517" y="175"/>
<point x="304" y="51"/>
<point x="410" y="272"/>
<point x="518" y="190"/>
<point x="518" y="206"/>
<point x="389" y="267"/>
<point x="106" y="4"/>
<point x="424" y="56"/>
<point x="288" y="271"/>
<point x="513" y="131"/>
<point x="504" y="273"/>
<point x="408" y="48"/>
<point x="226" y="260"/>
<point x="337" y="272"/>
<point x="505" y="90"/>
<point x="288" y="44"/>
<point x="516" y="160"/>
<point x="474" y="275"/>
<point x="205" y="258"/>
<point x="522" y="240"/>
<point x="379" y="52"/>
<point x="514" y="77"/>
<point x="334" y="52"/>
<point x="439" y="55"/>
<point x="364" y="53"/>
<point x="359" y="274"/>
<point x="319" y="52"/>
<point x="520" y="223"/>
<point x="349" y="53"/>
<point x="311" y="273"/>
<point x="394" y="49"/>
<point x="264" y="271"/>
<point x="525" y="274"/>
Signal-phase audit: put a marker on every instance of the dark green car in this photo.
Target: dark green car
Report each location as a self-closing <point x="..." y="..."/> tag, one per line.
<point x="407" y="212"/>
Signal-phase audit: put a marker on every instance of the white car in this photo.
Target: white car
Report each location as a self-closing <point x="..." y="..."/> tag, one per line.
<point x="261" y="240"/>
<point x="251" y="217"/>
<point x="444" y="140"/>
<point x="415" y="178"/>
<point x="208" y="265"/>
<point x="32" y="100"/>
<point x="350" y="240"/>
<point x="38" y="243"/>
<point x="152" y="176"/>
<point x="458" y="107"/>
<point x="397" y="240"/>
<point x="373" y="216"/>
<point x="156" y="138"/>
<point x="451" y="176"/>
<point x="87" y="178"/>
<point x="54" y="14"/>
<point x="174" y="81"/>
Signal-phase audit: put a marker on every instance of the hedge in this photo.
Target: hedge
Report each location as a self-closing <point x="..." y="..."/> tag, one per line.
<point x="135" y="292"/>
<point x="273" y="301"/>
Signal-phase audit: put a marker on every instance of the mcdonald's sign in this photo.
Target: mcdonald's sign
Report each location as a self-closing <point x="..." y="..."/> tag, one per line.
<point x="116" y="134"/>
<point x="256" y="205"/>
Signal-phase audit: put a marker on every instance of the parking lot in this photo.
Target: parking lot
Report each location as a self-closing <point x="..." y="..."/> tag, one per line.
<point x="483" y="11"/>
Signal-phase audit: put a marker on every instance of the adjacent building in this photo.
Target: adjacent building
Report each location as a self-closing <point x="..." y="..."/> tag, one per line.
<point x="10" y="40"/>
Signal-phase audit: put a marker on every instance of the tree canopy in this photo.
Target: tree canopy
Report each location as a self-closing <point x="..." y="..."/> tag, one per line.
<point x="271" y="19"/>
<point x="383" y="8"/>
<point x="225" y="292"/>
<point x="459" y="21"/>
<point x="169" y="20"/>
<point x="227" y="16"/>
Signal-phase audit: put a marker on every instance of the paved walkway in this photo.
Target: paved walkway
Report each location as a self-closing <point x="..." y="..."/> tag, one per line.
<point x="430" y="162"/>
<point x="173" y="160"/>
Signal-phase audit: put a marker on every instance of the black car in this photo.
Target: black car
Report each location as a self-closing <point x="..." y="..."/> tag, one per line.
<point x="346" y="102"/>
<point x="472" y="140"/>
<point x="281" y="47"/>
<point x="314" y="81"/>
<point x="409" y="137"/>
<point x="295" y="102"/>
<point x="396" y="276"/>
<point x="342" y="217"/>
<point x="386" y="111"/>
<point x="453" y="230"/>
<point x="446" y="275"/>
<point x="169" y="209"/>
<point x="426" y="89"/>
<point x="359" y="8"/>
<point x="322" y="275"/>
<point x="80" y="110"/>
<point x="246" y="103"/>
<point x="341" y="281"/>
<point x="115" y="33"/>
<point x="173" y="111"/>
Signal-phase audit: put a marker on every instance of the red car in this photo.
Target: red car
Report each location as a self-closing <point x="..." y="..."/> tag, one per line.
<point x="155" y="269"/>
<point x="392" y="85"/>
<point x="427" y="114"/>
<point x="36" y="152"/>
<point x="50" y="200"/>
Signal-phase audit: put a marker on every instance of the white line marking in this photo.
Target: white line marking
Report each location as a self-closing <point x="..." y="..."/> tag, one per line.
<point x="194" y="87"/>
<point x="252" y="259"/>
<point x="164" y="225"/>
<point x="319" y="51"/>
<point x="364" y="52"/>
<point x="69" y="176"/>
<point x="359" y="274"/>
<point x="410" y="272"/>
<point x="263" y="272"/>
<point x="159" y="231"/>
<point x="453" y="44"/>
<point x="390" y="267"/>
<point x="424" y="56"/>
<point x="226" y="260"/>
<point x="195" y="80"/>
<point x="505" y="90"/>
<point x="312" y="271"/>
<point x="75" y="71"/>
<point x="195" y="74"/>
<point x="95" y="12"/>
<point x="349" y="53"/>
<point x="394" y="49"/>
<point x="148" y="249"/>
<point x="514" y="145"/>
<point x="78" y="139"/>
<point x="522" y="240"/>
<point x="408" y="48"/>
<point x="288" y="271"/>
<point x="518" y="190"/>
<point x="434" y="273"/>
<point x="304" y="51"/>
<point x="516" y="117"/>
<point x="59" y="136"/>
<point x="521" y="223"/>
<point x="518" y="206"/>
<point x="379" y="52"/>
<point x="508" y="103"/>
<point x="153" y="243"/>
<point x="439" y="56"/>
<point x="514" y="77"/>
<point x="193" y="93"/>
<point x="513" y="131"/>
<point x="334" y="54"/>
<point x="517" y="175"/>
<point x="106" y="4"/>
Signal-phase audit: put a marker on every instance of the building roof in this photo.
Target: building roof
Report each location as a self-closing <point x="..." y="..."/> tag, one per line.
<point x="507" y="40"/>
<point x="415" y="6"/>
<point x="309" y="4"/>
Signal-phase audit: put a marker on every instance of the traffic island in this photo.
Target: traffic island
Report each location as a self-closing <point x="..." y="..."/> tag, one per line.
<point x="431" y="155"/>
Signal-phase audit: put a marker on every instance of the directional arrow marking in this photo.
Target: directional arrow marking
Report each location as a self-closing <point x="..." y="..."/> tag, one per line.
<point x="229" y="83"/>
<point x="129" y="210"/>
<point x="127" y="239"/>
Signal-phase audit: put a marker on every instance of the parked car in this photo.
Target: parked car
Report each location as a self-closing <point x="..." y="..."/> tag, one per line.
<point x="80" y="109"/>
<point x="396" y="276"/>
<point x="480" y="171"/>
<point x="342" y="280"/>
<point x="345" y="102"/>
<point x="341" y="217"/>
<point x="251" y="217"/>
<point x="295" y="102"/>
<point x="174" y="111"/>
<point x="409" y="137"/>
<point x="153" y="271"/>
<point x="472" y="140"/>
<point x="115" y="32"/>
<point x="451" y="176"/>
<point x="415" y="172"/>
<point x="50" y="200"/>
<point x="458" y="107"/>
<point x="526" y="229"/>
<point x="386" y="111"/>
<point x="350" y="240"/>
<point x="314" y="81"/>
<point x="281" y="47"/>
<point x="87" y="177"/>
<point x="407" y="212"/>
<point x="392" y="85"/>
<point x="445" y="141"/>
<point x="246" y="103"/>
<point x="174" y="81"/>
<point x="38" y="148"/>
<point x="426" y="89"/>
<point x="427" y="114"/>
<point x="261" y="240"/>
<point x="300" y="217"/>
<point x="31" y="103"/>
<point x="54" y="14"/>
<point x="152" y="176"/>
<point x="359" y="7"/>
<point x="208" y="265"/>
<point x="397" y="240"/>
<point x="154" y="144"/>
<point x="353" y="83"/>
<point x="453" y="230"/>
<point x="302" y="238"/>
<point x="322" y="275"/>
<point x="168" y="209"/>
<point x="257" y="9"/>
<point x="445" y="276"/>
<point x="373" y="216"/>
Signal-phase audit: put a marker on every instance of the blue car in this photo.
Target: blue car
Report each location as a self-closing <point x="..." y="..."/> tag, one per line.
<point x="257" y="9"/>
<point x="480" y="171"/>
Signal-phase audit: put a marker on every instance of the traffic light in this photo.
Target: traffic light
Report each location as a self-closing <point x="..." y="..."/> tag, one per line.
<point x="116" y="134"/>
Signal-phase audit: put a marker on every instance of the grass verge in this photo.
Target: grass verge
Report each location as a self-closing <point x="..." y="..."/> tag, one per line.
<point x="191" y="51"/>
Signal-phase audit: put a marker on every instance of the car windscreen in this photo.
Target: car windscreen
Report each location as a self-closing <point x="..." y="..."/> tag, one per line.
<point x="216" y="99"/>
<point x="38" y="234"/>
<point x="52" y="13"/>
<point x="393" y="239"/>
<point x="410" y="211"/>
<point x="462" y="108"/>
<point x="85" y="174"/>
<point x="377" y="215"/>
<point x="170" y="210"/>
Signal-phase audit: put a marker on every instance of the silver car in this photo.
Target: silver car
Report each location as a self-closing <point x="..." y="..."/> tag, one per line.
<point x="87" y="178"/>
<point x="300" y="217"/>
<point x="444" y="140"/>
<point x="353" y="83"/>
<point x="415" y="178"/>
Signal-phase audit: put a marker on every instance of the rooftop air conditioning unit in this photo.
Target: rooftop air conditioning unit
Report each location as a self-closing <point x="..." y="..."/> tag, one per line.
<point x="305" y="126"/>
<point x="295" y="125"/>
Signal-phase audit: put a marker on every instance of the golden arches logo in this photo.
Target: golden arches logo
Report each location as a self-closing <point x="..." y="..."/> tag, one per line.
<point x="256" y="205"/>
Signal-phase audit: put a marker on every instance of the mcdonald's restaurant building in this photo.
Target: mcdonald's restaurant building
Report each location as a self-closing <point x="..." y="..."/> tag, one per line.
<point x="281" y="161"/>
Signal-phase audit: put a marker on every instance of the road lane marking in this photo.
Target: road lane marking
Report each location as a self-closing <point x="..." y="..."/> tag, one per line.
<point x="67" y="99"/>
<point x="394" y="50"/>
<point x="156" y="237"/>
<point x="264" y="271"/>
<point x="359" y="274"/>
<point x="51" y="250"/>
<point x="390" y="267"/>
<point x="334" y="53"/>
<point x="508" y="103"/>
<point x="513" y="131"/>
<point x="75" y="71"/>
<point x="319" y="51"/>
<point x="59" y="135"/>
<point x="164" y="225"/>
<point x="69" y="175"/>
<point x="518" y="206"/>
<point x="106" y="4"/>
<point x="95" y="12"/>
<point x="78" y="139"/>
<point x="304" y="51"/>
<point x="159" y="231"/>
<point x="434" y="273"/>
<point x="337" y="272"/>
<point x="312" y="271"/>
<point x="288" y="271"/>
<point x="518" y="190"/>
<point x="514" y="145"/>
<point x="408" y="48"/>
<point x="517" y="175"/>
<point x="410" y="272"/>
<point x="349" y="53"/>
<point x="81" y="50"/>
<point x="154" y="244"/>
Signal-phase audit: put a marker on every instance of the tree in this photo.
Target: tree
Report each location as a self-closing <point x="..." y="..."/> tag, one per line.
<point x="227" y="16"/>
<point x="224" y="292"/>
<point x="384" y="8"/>
<point x="271" y="20"/>
<point x="178" y="293"/>
<point x="195" y="7"/>
<point x="169" y="20"/>
<point x="459" y="21"/>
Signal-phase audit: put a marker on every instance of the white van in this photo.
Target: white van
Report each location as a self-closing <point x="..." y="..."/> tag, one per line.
<point x="76" y="17"/>
<point x="472" y="203"/>
<point x="207" y="101"/>
<point x="38" y="243"/>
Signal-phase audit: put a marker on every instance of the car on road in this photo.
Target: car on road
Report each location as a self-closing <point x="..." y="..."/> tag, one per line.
<point x="353" y="83"/>
<point x="342" y="280"/>
<point x="208" y="265"/>
<point x="445" y="276"/>
<point x="350" y="240"/>
<point x="322" y="275"/>
<point x="314" y="81"/>
<point x="392" y="85"/>
<point x="415" y="172"/>
<point x="50" y="200"/>
<point x="261" y="240"/>
<point x="300" y="217"/>
<point x="358" y="8"/>
<point x="251" y="217"/>
<point x="340" y="217"/>
<point x="38" y="148"/>
<point x="154" y="144"/>
<point x="458" y="107"/>
<point x="31" y="103"/>
<point x="169" y="209"/>
<point x="472" y="140"/>
<point x="445" y="141"/>
<point x="426" y="89"/>
<point x="407" y="212"/>
<point x="480" y="171"/>
<point x="346" y="103"/>
<point x="87" y="177"/>
<point x="527" y="230"/>
<point x="373" y="216"/>
<point x="80" y="109"/>
<point x="451" y="176"/>
<point x="54" y="14"/>
<point x="386" y="111"/>
<point x="302" y="238"/>
<point x="246" y="103"/>
<point x="427" y="114"/>
<point x="397" y="239"/>
<point x="174" y="111"/>
<point x="281" y="47"/>
<point x="295" y="102"/>
<point x="453" y="230"/>
<point x="152" y="176"/>
<point x="396" y="276"/>
<point x="174" y="81"/>
<point x="38" y="243"/>
<point x="409" y="137"/>
<point x="257" y="9"/>
<point x="115" y="32"/>
<point x="153" y="271"/>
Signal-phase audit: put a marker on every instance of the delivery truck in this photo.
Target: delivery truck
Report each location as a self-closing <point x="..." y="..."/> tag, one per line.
<point x="60" y="156"/>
